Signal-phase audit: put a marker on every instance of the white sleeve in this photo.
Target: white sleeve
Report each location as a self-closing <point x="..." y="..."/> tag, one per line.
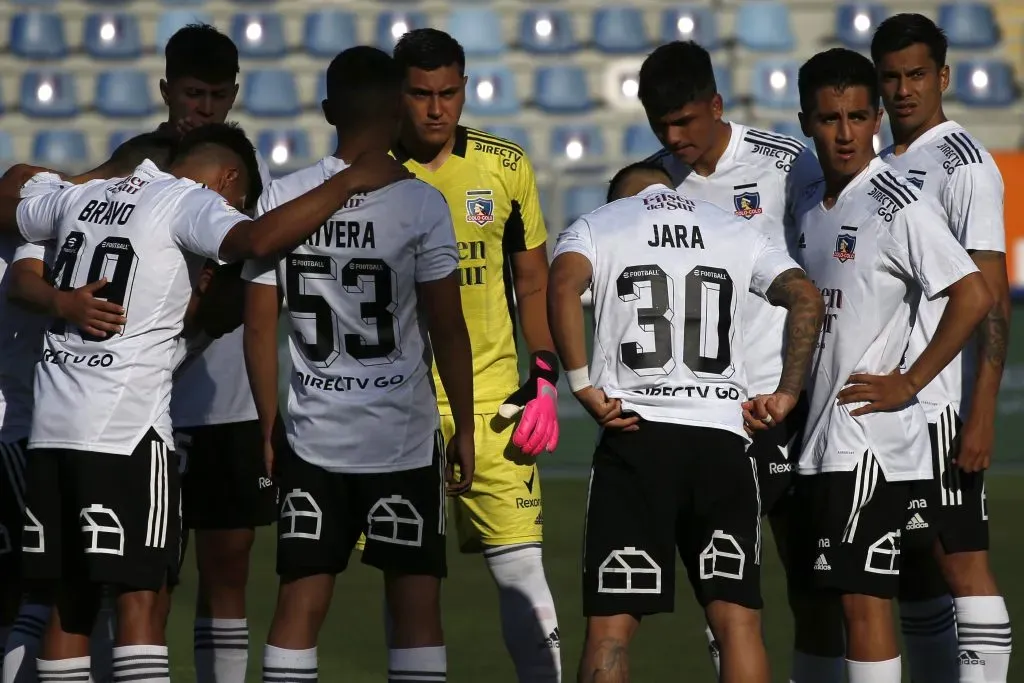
<point x="578" y="239"/>
<point x="770" y="261"/>
<point x="919" y="246"/>
<point x="40" y="251"/>
<point x="973" y="199"/>
<point x="261" y="272"/>
<point x="39" y="216"/>
<point x="202" y="220"/>
<point x="436" y="255"/>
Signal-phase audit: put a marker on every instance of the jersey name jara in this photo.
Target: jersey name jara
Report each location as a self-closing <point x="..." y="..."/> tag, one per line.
<point x="677" y="237"/>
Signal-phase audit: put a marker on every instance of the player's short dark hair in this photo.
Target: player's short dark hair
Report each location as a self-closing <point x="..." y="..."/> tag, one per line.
<point x="201" y="51"/>
<point x="837" y="68"/>
<point x="429" y="49"/>
<point x="623" y="173"/>
<point x="900" y="31"/>
<point x="158" y="147"/>
<point x="675" y="75"/>
<point x="229" y="136"/>
<point x="358" y="81"/>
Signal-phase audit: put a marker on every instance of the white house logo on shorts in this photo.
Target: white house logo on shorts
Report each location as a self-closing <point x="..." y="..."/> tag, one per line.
<point x="723" y="557"/>
<point x="5" y="540"/>
<point x="33" y="539"/>
<point x="300" y="516"/>
<point x="884" y="555"/>
<point x="629" y="571"/>
<point x="103" y="532"/>
<point x="395" y="520"/>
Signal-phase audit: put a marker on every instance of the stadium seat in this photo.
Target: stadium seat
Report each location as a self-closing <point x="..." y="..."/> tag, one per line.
<point x="478" y="30"/>
<point x="773" y="84"/>
<point x="112" y="36"/>
<point x="321" y="89"/>
<point x="639" y="142"/>
<point x="969" y="25"/>
<point x="284" y="150"/>
<point x="491" y="90"/>
<point x="546" y="32"/>
<point x="118" y="137"/>
<point x="48" y="94"/>
<point x="695" y="23"/>
<point x="328" y="32"/>
<point x="764" y="26"/>
<point x="856" y="23"/>
<point x="123" y="93"/>
<point x="6" y="149"/>
<point x="561" y="89"/>
<point x="38" y="35"/>
<point x="984" y="83"/>
<point x="259" y="35"/>
<point x="60" y="149"/>
<point x="516" y="134"/>
<point x="393" y="25"/>
<point x="723" y="80"/>
<point x="271" y="92"/>
<point x="581" y="145"/>
<point x="582" y="199"/>
<point x="172" y="20"/>
<point x="619" y="30"/>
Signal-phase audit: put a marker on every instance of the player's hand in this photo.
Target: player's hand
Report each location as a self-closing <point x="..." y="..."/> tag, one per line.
<point x="461" y="451"/>
<point x="766" y="411"/>
<point x="537" y="401"/>
<point x="221" y="301"/>
<point x="16" y="177"/>
<point x="607" y="412"/>
<point x="880" y="392"/>
<point x="373" y="170"/>
<point x="89" y="314"/>
<point x="976" y="440"/>
<point x="268" y="457"/>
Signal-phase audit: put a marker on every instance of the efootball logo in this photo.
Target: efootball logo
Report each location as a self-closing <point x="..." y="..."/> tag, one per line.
<point x="479" y="207"/>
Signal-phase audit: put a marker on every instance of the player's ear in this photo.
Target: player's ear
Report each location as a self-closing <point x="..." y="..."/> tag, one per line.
<point x="234" y="94"/>
<point x="326" y="108"/>
<point x="717" y="106"/>
<point x="944" y="77"/>
<point x="165" y="92"/>
<point x="878" y="119"/>
<point x="804" y="127"/>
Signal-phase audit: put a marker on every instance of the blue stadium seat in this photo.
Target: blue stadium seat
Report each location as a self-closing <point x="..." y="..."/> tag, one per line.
<point x="491" y="90"/>
<point x="392" y="25"/>
<point x="259" y="35"/>
<point x="773" y="84"/>
<point x="516" y="134"/>
<point x="696" y="23"/>
<point x="118" y="137"/>
<point x="478" y="30"/>
<point x="723" y="79"/>
<point x="60" y="148"/>
<point x="48" y="94"/>
<point x="856" y="23"/>
<point x="561" y="89"/>
<point x="123" y="93"/>
<point x="328" y="32"/>
<point x="172" y="20"/>
<point x="764" y="26"/>
<point x="984" y="83"/>
<point x="321" y="89"/>
<point x="969" y="25"/>
<point x="546" y="32"/>
<point x="582" y="199"/>
<point x="581" y="145"/>
<point x="6" y="148"/>
<point x="639" y="141"/>
<point x="285" y="150"/>
<point x="38" y="35"/>
<point x="271" y="92"/>
<point x="112" y="36"/>
<point x="620" y="30"/>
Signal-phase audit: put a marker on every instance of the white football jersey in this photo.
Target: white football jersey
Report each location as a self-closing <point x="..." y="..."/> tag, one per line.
<point x="669" y="278"/>
<point x="139" y="232"/>
<point x="757" y="177"/>
<point x="872" y="255"/>
<point x="361" y="396"/>
<point x="951" y="165"/>
<point x="214" y="388"/>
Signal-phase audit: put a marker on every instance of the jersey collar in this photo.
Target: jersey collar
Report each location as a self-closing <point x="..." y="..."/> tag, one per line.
<point x="656" y="187"/>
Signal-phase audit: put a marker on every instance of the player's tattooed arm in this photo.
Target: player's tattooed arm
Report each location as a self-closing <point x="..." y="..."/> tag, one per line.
<point x="794" y="292"/>
<point x="994" y="330"/>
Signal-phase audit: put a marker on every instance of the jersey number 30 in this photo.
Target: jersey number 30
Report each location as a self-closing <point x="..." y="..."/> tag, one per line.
<point x="706" y="324"/>
<point x="377" y="311"/>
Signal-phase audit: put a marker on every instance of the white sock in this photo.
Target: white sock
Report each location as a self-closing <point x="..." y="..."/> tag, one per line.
<point x="983" y="627"/>
<point x="427" y="664"/>
<point x="74" y="670"/>
<point x="529" y="624"/>
<point x="889" y="671"/>
<point x="101" y="645"/>
<point x="141" y="664"/>
<point x="716" y="654"/>
<point x="289" y="666"/>
<point x="816" y="669"/>
<point x="23" y="643"/>
<point x="221" y="648"/>
<point x="929" y="639"/>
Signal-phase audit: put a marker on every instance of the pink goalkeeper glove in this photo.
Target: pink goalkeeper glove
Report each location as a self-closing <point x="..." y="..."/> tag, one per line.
<point x="537" y="401"/>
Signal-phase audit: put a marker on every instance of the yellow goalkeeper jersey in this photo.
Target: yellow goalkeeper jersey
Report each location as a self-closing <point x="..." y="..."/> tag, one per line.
<point x="491" y="191"/>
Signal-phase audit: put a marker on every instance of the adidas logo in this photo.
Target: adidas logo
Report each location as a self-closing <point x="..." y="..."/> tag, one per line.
<point x="917" y="522"/>
<point x="821" y="564"/>
<point x="552" y="641"/>
<point x="970" y="658"/>
<point x="540" y="519"/>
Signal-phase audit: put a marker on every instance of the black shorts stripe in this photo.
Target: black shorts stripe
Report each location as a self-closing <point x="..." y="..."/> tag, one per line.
<point x="757" y="490"/>
<point x="864" y="489"/>
<point x="156" y="526"/>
